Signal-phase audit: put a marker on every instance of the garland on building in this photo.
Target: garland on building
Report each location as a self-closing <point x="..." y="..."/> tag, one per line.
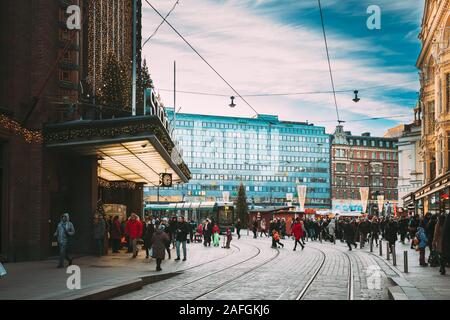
<point x="116" y="184"/>
<point x="29" y="136"/>
<point x="116" y="88"/>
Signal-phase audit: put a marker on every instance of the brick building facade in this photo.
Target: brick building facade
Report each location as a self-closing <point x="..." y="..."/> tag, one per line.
<point x="363" y="161"/>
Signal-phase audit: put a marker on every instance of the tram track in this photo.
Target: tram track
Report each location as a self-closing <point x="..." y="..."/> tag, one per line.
<point x="350" y="289"/>
<point x="207" y="275"/>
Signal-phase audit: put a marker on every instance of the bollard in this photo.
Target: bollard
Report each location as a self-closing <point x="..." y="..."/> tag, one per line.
<point x="388" y="251"/>
<point x="394" y="256"/>
<point x="381" y="248"/>
<point x="371" y="244"/>
<point x="405" y="261"/>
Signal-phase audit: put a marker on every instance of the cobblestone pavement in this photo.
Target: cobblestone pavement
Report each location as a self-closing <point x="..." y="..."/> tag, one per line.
<point x="258" y="272"/>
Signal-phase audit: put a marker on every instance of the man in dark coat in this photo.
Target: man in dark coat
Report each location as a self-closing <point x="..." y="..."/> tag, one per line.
<point x="160" y="240"/>
<point x="390" y="232"/>
<point x="172" y="230"/>
<point x="403" y="229"/>
<point x="349" y="234"/>
<point x="207" y="232"/>
<point x="149" y="229"/>
<point x="181" y="237"/>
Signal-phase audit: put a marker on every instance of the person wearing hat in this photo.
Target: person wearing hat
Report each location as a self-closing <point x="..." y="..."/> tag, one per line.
<point x="160" y="241"/>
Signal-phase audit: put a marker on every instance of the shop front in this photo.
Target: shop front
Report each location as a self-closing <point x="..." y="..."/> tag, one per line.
<point x="433" y="198"/>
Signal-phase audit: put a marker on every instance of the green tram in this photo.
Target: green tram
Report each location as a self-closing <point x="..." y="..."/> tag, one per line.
<point x="222" y="213"/>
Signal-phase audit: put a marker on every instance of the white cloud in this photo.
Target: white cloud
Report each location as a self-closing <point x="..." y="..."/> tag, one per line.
<point x="258" y="55"/>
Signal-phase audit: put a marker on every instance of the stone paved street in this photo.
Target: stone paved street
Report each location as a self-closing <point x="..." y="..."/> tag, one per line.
<point x="251" y="269"/>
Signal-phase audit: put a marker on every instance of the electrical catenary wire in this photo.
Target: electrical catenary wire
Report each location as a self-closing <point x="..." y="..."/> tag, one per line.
<point x="329" y="62"/>
<point x="201" y="57"/>
<point x="392" y="86"/>
<point x="162" y="22"/>
<point x="369" y="119"/>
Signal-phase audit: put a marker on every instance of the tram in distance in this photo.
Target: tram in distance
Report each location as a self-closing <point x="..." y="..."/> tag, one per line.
<point x="221" y="213"/>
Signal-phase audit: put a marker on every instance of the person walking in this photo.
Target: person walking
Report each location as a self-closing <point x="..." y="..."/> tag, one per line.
<point x="403" y="229"/>
<point x="276" y="239"/>
<point x="116" y="234"/>
<point x="192" y="228"/>
<point x="446" y="242"/>
<point x="374" y="230"/>
<point x="215" y="232"/>
<point x="160" y="241"/>
<point x="297" y="231"/>
<point x="238" y="227"/>
<point x="173" y="231"/>
<point x="207" y="233"/>
<point x="413" y="224"/>
<point x="429" y="231"/>
<point x="283" y="228"/>
<point x="164" y="227"/>
<point x="133" y="229"/>
<point x="149" y="230"/>
<point x="437" y="242"/>
<point x="255" y="228"/>
<point x="423" y="240"/>
<point x="390" y="233"/>
<point x="332" y="231"/>
<point x="99" y="234"/>
<point x="349" y="234"/>
<point x="64" y="234"/>
<point x="263" y="228"/>
<point x="229" y="238"/>
<point x="181" y="237"/>
<point x="364" y="229"/>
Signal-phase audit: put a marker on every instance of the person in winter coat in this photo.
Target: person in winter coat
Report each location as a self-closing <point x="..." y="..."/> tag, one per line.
<point x="116" y="234"/>
<point x="349" y="234"/>
<point x="255" y="228"/>
<point x="207" y="233"/>
<point x="172" y="231"/>
<point x="332" y="230"/>
<point x="446" y="240"/>
<point x="283" y="228"/>
<point x="149" y="230"/>
<point x="423" y="240"/>
<point x="413" y="224"/>
<point x="364" y="229"/>
<point x="215" y="232"/>
<point x="403" y="229"/>
<point x="390" y="233"/>
<point x="429" y="231"/>
<point x="229" y="238"/>
<point x="297" y="231"/>
<point x="160" y="241"/>
<point x="181" y="237"/>
<point x="64" y="233"/>
<point x="263" y="228"/>
<point x="238" y="227"/>
<point x="437" y="242"/>
<point x="276" y="239"/>
<point x="374" y="231"/>
<point x="133" y="229"/>
<point x="99" y="233"/>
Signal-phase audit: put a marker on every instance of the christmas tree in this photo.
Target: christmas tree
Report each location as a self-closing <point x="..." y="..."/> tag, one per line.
<point x="115" y="92"/>
<point x="242" y="206"/>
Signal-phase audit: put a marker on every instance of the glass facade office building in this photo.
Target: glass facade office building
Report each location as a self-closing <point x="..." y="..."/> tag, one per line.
<point x="270" y="157"/>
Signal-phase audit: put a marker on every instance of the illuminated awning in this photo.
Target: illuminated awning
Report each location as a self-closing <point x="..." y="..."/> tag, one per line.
<point x="136" y="149"/>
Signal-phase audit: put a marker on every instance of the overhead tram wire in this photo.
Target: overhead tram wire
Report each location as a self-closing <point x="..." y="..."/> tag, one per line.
<point x="159" y="26"/>
<point x="268" y="94"/>
<point x="329" y="63"/>
<point x="201" y="57"/>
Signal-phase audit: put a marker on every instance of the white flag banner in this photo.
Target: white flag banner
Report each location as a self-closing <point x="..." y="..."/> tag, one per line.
<point x="301" y="190"/>
<point x="364" y="191"/>
<point x="226" y="196"/>
<point x="380" y="199"/>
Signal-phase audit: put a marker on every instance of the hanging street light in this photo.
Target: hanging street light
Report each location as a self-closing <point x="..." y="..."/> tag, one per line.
<point x="232" y="104"/>
<point x="356" y="99"/>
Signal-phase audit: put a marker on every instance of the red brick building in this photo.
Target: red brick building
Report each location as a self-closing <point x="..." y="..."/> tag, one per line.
<point x="59" y="152"/>
<point x="363" y="161"/>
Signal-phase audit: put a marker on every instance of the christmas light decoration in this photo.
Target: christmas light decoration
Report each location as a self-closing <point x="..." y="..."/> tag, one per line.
<point x="116" y="184"/>
<point x="30" y="136"/>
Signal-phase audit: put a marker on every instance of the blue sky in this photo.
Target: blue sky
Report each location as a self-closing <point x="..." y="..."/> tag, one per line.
<point x="274" y="46"/>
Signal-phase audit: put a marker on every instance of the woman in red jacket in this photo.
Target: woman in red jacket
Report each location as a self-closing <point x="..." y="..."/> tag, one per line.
<point x="133" y="229"/>
<point x="297" y="231"/>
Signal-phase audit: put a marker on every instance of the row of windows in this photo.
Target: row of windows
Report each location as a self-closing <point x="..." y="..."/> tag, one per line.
<point x="234" y="156"/>
<point x="341" y="153"/>
<point x="364" y="182"/>
<point x="201" y="189"/>
<point x="344" y="194"/>
<point x="226" y="166"/>
<point x="372" y="143"/>
<point x="362" y="168"/>
<point x="235" y="177"/>
<point x="234" y="126"/>
<point x="194" y="134"/>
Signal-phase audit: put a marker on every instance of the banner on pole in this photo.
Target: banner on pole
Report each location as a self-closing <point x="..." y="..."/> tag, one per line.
<point x="301" y="190"/>
<point x="380" y="199"/>
<point x="364" y="191"/>
<point x="226" y="196"/>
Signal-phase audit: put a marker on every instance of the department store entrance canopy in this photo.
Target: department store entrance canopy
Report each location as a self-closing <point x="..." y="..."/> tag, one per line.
<point x="133" y="149"/>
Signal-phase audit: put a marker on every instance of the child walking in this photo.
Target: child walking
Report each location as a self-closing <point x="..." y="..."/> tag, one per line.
<point x="276" y="239"/>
